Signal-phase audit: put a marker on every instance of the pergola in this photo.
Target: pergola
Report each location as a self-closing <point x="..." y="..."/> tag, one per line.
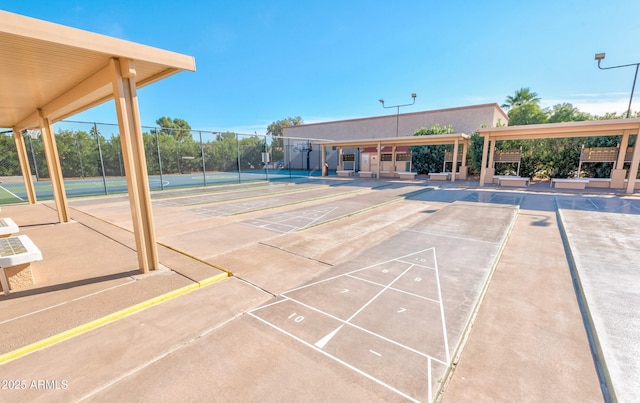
<point x="49" y="72"/>
<point x="612" y="127"/>
<point x="436" y="139"/>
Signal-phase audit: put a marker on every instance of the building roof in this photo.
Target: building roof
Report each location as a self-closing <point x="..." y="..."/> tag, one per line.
<point x="430" y="112"/>
<point x="63" y="70"/>
<point x="433" y="139"/>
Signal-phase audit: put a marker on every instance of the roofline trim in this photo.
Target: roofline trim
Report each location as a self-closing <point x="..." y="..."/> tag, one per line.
<point x="495" y="105"/>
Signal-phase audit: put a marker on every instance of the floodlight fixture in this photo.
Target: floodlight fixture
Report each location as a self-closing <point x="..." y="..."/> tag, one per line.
<point x="413" y="95"/>
<point x="600" y="57"/>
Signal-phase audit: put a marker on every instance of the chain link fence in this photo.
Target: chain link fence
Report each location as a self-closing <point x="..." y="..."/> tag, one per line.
<point x="92" y="162"/>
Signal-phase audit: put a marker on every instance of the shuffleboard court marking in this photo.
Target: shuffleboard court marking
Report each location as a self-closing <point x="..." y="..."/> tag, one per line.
<point x="334" y="332"/>
<point x="451" y="236"/>
<point x="288" y="221"/>
<point x="335" y="359"/>
<point x="393" y="288"/>
<point x="291" y="318"/>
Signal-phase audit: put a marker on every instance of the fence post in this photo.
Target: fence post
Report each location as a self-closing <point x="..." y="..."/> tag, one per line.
<point x="33" y="157"/>
<point x="238" y="156"/>
<point x="204" y="170"/>
<point x="104" y="178"/>
<point x="159" y="159"/>
<point x="79" y="155"/>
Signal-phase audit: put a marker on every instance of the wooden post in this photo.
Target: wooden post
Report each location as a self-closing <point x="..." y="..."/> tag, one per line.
<point x="454" y="166"/>
<point x="126" y="100"/>
<point x="55" y="170"/>
<point x="635" y="162"/>
<point x="483" y="168"/>
<point x="24" y="167"/>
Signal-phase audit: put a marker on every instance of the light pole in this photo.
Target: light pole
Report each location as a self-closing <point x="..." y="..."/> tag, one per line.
<point x="398" y="110"/>
<point x="600" y="57"/>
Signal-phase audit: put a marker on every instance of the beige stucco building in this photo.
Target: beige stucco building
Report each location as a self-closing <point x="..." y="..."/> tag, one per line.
<point x="467" y="119"/>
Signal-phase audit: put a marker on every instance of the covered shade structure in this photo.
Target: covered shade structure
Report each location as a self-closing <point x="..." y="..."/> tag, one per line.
<point x="456" y="139"/>
<point x="613" y="127"/>
<point x="50" y="72"/>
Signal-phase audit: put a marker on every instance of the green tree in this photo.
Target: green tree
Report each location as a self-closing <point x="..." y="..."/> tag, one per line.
<point x="520" y="97"/>
<point x="427" y="159"/>
<point x="178" y="128"/>
<point x="527" y="114"/>
<point x="276" y="131"/>
<point x="566" y="112"/>
<point x="9" y="164"/>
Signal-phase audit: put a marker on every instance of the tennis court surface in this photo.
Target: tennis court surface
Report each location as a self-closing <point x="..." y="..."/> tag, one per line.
<point x="341" y="290"/>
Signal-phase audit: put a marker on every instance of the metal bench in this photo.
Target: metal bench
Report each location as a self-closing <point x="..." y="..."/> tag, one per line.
<point x="16" y="255"/>
<point x="569" y="183"/>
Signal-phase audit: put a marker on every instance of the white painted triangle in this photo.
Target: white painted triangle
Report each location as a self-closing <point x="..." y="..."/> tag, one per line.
<point x="323" y="341"/>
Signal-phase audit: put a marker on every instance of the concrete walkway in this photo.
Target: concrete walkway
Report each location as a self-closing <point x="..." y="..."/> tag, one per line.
<point x="527" y="343"/>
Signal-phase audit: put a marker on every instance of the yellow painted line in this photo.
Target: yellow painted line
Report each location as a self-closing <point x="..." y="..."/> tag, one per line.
<point x="49" y="341"/>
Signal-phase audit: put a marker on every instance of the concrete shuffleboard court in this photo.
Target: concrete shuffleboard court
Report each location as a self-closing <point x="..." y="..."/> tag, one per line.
<point x="603" y="237"/>
<point x="306" y="217"/>
<point x="397" y="313"/>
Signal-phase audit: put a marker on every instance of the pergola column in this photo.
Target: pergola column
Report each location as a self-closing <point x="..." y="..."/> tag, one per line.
<point x="392" y="170"/>
<point x="483" y="168"/>
<point x="454" y="168"/>
<point x="618" y="173"/>
<point x="379" y="148"/>
<point x="24" y="166"/>
<point x="55" y="170"/>
<point x="323" y="160"/>
<point x="635" y="162"/>
<point x="463" y="168"/>
<point x="126" y="101"/>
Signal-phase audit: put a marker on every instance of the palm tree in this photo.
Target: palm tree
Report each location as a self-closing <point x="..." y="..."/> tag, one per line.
<point x="521" y="97"/>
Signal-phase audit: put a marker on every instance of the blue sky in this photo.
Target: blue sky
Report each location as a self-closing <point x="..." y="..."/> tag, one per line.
<point x="261" y="61"/>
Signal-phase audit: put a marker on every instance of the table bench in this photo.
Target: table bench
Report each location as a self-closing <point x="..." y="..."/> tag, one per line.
<point x="440" y="176"/>
<point x="599" y="182"/>
<point x="344" y="173"/>
<point x="16" y="255"/>
<point x="569" y="183"/>
<point x="7" y="227"/>
<point x="512" y="181"/>
<point x="406" y="175"/>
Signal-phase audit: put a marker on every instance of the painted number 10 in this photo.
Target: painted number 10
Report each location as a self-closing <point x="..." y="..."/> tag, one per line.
<point x="295" y="318"/>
